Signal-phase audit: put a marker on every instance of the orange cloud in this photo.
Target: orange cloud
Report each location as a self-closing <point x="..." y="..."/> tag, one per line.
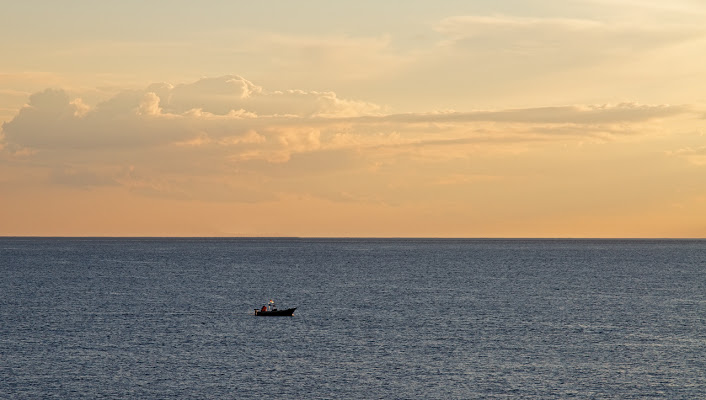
<point x="227" y="138"/>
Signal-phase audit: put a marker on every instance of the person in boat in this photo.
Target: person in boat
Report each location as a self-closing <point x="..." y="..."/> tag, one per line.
<point x="263" y="309"/>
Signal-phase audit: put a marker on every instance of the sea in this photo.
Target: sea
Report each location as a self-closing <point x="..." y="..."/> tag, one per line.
<point x="172" y="318"/>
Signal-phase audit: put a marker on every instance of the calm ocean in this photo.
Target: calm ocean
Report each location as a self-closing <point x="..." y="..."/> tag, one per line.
<point x="387" y="319"/>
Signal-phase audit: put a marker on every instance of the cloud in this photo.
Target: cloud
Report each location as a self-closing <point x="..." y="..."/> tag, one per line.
<point x="232" y="112"/>
<point x="695" y="155"/>
<point x="53" y="120"/>
<point x="539" y="35"/>
<point x="684" y="7"/>
<point x="227" y="138"/>
<point x="516" y="48"/>
<point x="334" y="57"/>
<point x="224" y="108"/>
<point x="591" y="114"/>
<point x="248" y="122"/>
<point x="224" y="95"/>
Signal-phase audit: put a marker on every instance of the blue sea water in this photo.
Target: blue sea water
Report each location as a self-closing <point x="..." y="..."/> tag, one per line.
<point x="388" y="319"/>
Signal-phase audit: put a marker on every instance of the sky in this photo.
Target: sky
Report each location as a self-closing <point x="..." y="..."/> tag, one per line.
<point x="533" y="118"/>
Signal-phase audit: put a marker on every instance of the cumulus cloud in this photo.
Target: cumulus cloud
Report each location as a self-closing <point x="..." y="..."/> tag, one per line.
<point x="52" y="120"/>
<point x="233" y="135"/>
<point x="231" y="112"/>
<point x="227" y="94"/>
<point x="163" y="114"/>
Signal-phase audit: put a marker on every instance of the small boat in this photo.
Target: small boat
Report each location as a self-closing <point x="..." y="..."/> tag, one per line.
<point x="275" y="313"/>
<point x="270" y="310"/>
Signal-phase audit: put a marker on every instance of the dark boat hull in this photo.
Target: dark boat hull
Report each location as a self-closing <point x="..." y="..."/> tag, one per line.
<point x="278" y="313"/>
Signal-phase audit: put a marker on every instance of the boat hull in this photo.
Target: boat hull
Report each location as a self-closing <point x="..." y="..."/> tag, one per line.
<point x="278" y="313"/>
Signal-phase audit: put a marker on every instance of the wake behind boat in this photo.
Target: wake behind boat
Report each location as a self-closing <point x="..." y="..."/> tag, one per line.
<point x="270" y="310"/>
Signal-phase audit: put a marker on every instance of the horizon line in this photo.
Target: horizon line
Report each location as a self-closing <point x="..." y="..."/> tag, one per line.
<point x="346" y="237"/>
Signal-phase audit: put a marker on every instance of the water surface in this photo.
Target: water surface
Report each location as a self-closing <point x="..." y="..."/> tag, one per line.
<point x="171" y="318"/>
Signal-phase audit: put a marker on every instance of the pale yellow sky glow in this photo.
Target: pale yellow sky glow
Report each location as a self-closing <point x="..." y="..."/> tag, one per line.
<point x="348" y="119"/>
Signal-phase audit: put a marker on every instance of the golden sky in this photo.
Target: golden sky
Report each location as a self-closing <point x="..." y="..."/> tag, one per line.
<point x="320" y="118"/>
